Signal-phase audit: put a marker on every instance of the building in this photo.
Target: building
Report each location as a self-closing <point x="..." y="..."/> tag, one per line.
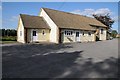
<point x="59" y="27"/>
<point x="118" y="36"/>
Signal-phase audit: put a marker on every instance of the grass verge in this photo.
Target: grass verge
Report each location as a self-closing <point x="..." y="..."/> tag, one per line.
<point x="7" y="42"/>
<point x="8" y="38"/>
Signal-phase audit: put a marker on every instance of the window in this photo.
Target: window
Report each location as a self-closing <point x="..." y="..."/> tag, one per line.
<point x="89" y="33"/>
<point x="68" y="32"/>
<point x="71" y="32"/>
<point x="65" y="32"/>
<point x="101" y="31"/>
<point x="20" y="33"/>
<point x="77" y="34"/>
<point x="34" y="33"/>
<point x="83" y="34"/>
<point x="43" y="32"/>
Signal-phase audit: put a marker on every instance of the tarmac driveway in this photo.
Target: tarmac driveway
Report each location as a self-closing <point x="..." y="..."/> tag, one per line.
<point x="73" y="60"/>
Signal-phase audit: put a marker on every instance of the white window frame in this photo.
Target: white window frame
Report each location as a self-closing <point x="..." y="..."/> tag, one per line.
<point x="68" y="32"/>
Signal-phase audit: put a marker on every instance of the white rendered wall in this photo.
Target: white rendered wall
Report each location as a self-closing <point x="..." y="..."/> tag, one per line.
<point x="20" y="28"/>
<point x="54" y="32"/>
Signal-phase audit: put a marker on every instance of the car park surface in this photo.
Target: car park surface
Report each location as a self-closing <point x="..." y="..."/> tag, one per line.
<point x="69" y="60"/>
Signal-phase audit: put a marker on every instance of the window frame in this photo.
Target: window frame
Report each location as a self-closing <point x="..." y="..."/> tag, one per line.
<point x="34" y="33"/>
<point x="101" y="31"/>
<point x="77" y="34"/>
<point x="83" y="33"/>
<point x="68" y="32"/>
<point x="43" y="31"/>
<point x="89" y="33"/>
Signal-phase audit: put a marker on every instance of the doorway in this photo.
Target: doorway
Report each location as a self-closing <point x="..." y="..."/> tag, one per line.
<point x="34" y="36"/>
<point x="77" y="36"/>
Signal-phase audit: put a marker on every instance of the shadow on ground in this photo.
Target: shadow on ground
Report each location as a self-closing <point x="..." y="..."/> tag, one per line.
<point x="31" y="49"/>
<point x="30" y="61"/>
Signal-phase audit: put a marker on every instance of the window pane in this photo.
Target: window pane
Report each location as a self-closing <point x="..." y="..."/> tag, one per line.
<point x="83" y="33"/>
<point x="101" y="31"/>
<point x="34" y="33"/>
<point x="43" y="32"/>
<point x="89" y="33"/>
<point x="65" y="32"/>
<point x="77" y="34"/>
<point x="71" y="32"/>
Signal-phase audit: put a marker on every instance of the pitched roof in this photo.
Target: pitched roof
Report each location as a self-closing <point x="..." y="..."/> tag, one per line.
<point x="33" y="21"/>
<point x="73" y="21"/>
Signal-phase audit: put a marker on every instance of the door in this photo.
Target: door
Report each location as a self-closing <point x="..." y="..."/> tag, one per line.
<point x="34" y="35"/>
<point x="77" y="36"/>
<point x="61" y="36"/>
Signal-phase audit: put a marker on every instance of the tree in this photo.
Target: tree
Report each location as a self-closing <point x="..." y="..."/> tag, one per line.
<point x="0" y="32"/>
<point x="3" y="32"/>
<point x="105" y="19"/>
<point x="13" y="32"/>
<point x="8" y="32"/>
<point x="114" y="33"/>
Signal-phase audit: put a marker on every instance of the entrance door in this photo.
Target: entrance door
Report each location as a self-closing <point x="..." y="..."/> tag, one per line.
<point x="77" y="36"/>
<point x="34" y="35"/>
<point x="61" y="37"/>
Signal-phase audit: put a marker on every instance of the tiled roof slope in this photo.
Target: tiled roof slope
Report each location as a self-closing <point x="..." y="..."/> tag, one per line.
<point x="72" y="21"/>
<point x="33" y="21"/>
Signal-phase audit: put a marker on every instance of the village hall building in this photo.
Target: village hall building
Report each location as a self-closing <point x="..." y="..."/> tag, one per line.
<point x="59" y="27"/>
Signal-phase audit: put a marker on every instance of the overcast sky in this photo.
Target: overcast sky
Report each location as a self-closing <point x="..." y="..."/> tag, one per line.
<point x="11" y="10"/>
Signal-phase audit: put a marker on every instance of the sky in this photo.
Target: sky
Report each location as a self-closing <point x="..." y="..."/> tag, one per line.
<point x="0" y="15"/>
<point x="11" y="10"/>
<point x="60" y="0"/>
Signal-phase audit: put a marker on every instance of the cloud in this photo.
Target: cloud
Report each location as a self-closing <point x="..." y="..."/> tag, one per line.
<point x="86" y="12"/>
<point x="89" y="12"/>
<point x="103" y="11"/>
<point x="13" y="18"/>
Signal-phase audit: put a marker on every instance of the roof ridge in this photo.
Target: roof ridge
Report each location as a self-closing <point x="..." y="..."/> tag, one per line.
<point x="29" y="15"/>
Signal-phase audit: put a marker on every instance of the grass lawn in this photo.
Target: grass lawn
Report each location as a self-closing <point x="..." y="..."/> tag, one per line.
<point x="7" y="42"/>
<point x="8" y="39"/>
